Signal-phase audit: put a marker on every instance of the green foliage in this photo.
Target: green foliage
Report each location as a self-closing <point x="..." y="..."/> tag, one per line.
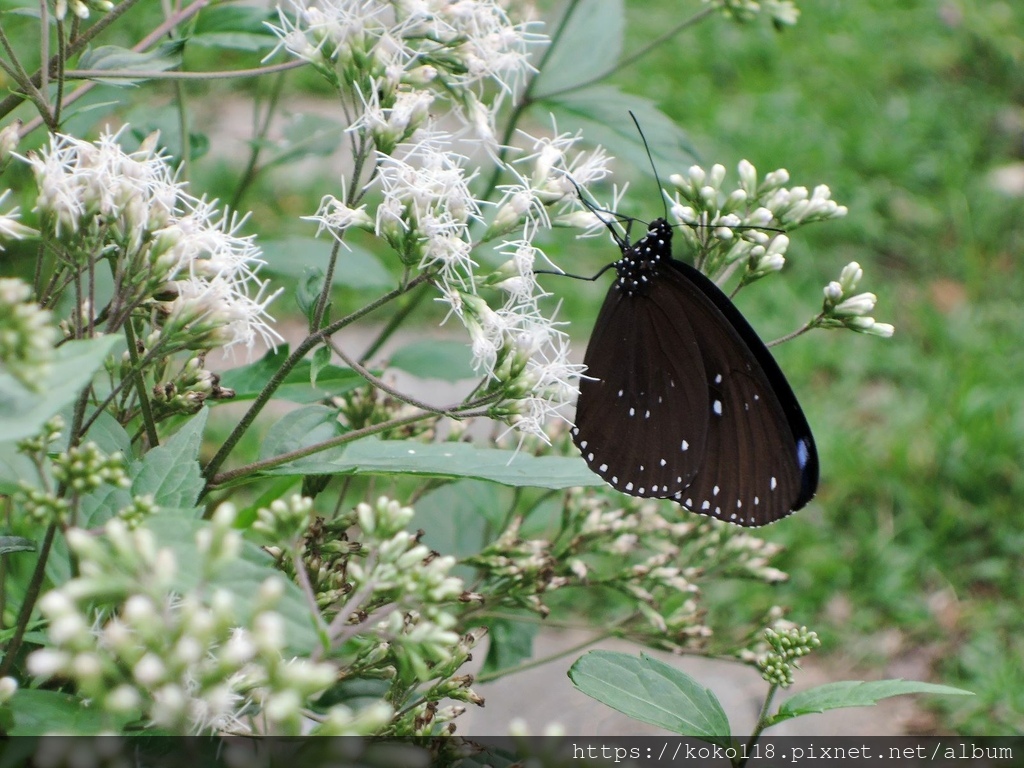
<point x="653" y="692"/>
<point x="22" y="412"/>
<point x="920" y="437"/>
<point x="659" y="694"/>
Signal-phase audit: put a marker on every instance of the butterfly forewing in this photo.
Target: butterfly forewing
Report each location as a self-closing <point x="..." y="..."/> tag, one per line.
<point x="644" y="381"/>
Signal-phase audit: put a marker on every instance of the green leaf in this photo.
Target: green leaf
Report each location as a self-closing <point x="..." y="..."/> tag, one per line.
<point x="371" y="456"/>
<point x="102" y="504"/>
<point x="458" y="517"/>
<point x="589" y="46"/>
<point x="307" y="291"/>
<point x="39" y="712"/>
<point x="510" y="643"/>
<point x="234" y="27"/>
<point x="306" y="135"/>
<point x="15" y="468"/>
<point x="321" y="360"/>
<point x="249" y="380"/>
<point x="242" y="578"/>
<point x="147" y="119"/>
<point x="299" y="428"/>
<point x="602" y="113"/>
<point x="171" y="471"/>
<point x="445" y="360"/>
<point x="115" y="58"/>
<point x="16" y="544"/>
<point x="357" y="269"/>
<point x="110" y="436"/>
<point x="855" y="693"/>
<point x="653" y="692"/>
<point x="23" y="413"/>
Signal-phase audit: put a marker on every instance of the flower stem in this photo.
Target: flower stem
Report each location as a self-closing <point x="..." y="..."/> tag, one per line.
<point x="394" y="323"/>
<point x="140" y="385"/>
<point x="798" y="332"/>
<point x="307" y="345"/>
<point x="29" y="603"/>
<point x="76" y="46"/>
<point x="762" y="723"/>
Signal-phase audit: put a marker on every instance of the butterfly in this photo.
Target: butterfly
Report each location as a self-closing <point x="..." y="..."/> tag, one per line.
<point x="682" y="400"/>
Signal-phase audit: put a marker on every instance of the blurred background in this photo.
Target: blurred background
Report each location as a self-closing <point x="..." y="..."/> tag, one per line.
<point x="909" y="562"/>
<point x="913" y="114"/>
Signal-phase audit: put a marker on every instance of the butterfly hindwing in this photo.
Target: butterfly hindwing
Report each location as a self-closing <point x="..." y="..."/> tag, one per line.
<point x="760" y="461"/>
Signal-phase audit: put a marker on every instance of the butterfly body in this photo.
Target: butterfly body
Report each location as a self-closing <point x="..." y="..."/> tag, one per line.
<point x="683" y="401"/>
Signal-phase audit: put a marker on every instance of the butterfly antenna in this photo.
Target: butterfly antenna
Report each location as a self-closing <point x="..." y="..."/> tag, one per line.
<point x="650" y="158"/>
<point x="597" y="211"/>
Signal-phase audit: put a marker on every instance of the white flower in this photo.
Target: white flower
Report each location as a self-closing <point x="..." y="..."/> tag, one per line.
<point x="336" y="217"/>
<point x="10" y="227"/>
<point x="857" y="305"/>
<point x="463" y="42"/>
<point x="208" y="313"/>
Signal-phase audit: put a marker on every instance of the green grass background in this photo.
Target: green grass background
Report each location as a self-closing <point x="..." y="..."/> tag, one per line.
<point x="914" y="546"/>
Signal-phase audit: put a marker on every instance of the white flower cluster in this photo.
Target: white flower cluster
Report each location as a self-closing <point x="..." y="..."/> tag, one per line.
<point x="405" y="574"/>
<point x="177" y="252"/>
<point x="10" y="227"/>
<point x="650" y="556"/>
<point x="781" y="12"/>
<point x="399" y="56"/>
<point x="396" y="60"/>
<point x="841" y="309"/>
<point x="727" y="227"/>
<point x="80" y="8"/>
<point x="185" y="661"/>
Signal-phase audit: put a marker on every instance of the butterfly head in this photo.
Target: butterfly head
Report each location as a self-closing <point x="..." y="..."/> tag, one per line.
<point x="640" y="261"/>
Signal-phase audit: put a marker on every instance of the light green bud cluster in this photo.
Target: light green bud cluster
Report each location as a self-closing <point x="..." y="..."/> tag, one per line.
<point x="26" y="334"/>
<point x="787" y="645"/>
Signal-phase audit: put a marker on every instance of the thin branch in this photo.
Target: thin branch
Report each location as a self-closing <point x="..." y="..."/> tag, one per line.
<point x="307" y="345"/>
<point x="309" y="450"/>
<point x="325" y="291"/>
<point x="261" y="129"/>
<point x="140" y="385"/>
<point x="811" y="324"/>
<point x="171" y="74"/>
<point x="637" y="55"/>
<point x="384" y="387"/>
<point x="77" y="45"/>
<point x="28" y="603"/>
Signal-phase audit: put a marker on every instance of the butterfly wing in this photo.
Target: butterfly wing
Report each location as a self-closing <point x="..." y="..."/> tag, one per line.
<point x="760" y="463"/>
<point x="641" y="418"/>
